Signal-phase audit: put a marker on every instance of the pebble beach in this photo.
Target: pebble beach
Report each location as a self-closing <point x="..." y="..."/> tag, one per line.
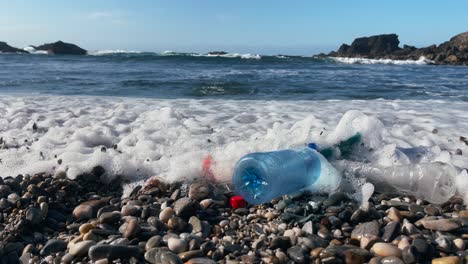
<point x="52" y="219"/>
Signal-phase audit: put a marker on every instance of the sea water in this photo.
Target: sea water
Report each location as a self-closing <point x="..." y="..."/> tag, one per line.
<point x="147" y="114"/>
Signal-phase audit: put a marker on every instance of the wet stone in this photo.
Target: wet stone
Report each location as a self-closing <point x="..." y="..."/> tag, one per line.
<point x="200" y="190"/>
<point x="391" y="260"/>
<point x="297" y="254"/>
<point x="386" y="250"/>
<point x="335" y="198"/>
<point x="177" y="245"/>
<point x="81" y="248"/>
<point x="366" y="229"/>
<point x="441" y="224"/>
<point x="34" y="216"/>
<point x="185" y="256"/>
<point x="185" y="207"/>
<point x="391" y="230"/>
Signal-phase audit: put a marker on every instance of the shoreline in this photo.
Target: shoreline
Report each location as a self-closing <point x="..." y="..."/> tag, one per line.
<point x="53" y="218"/>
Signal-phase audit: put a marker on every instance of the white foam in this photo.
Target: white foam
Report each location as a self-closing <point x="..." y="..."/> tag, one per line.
<point x="170" y="138"/>
<point x="420" y="61"/>
<point x="32" y="50"/>
<point x="111" y="52"/>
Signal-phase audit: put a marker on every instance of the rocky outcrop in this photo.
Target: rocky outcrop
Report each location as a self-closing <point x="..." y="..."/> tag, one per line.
<point x="217" y="53"/>
<point x="453" y="52"/>
<point x="5" y="48"/>
<point x="62" y="48"/>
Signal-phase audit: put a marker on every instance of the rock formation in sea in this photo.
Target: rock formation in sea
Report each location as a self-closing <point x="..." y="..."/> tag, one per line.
<point x="454" y="51"/>
<point x="5" y="48"/>
<point x="62" y="48"/>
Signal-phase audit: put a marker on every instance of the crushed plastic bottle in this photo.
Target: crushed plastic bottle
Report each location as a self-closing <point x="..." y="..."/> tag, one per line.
<point x="434" y="182"/>
<point x="260" y="177"/>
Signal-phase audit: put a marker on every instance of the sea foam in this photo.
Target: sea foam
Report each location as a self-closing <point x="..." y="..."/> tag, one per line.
<point x="420" y="61"/>
<point x="140" y="138"/>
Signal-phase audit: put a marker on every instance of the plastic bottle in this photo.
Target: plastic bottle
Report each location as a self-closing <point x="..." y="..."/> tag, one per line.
<point x="434" y="182"/>
<point x="260" y="177"/>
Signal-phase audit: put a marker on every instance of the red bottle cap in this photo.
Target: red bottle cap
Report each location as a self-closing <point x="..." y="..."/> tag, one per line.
<point x="238" y="202"/>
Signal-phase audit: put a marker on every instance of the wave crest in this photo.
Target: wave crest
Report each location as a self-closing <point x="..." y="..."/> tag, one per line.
<point x="421" y="61"/>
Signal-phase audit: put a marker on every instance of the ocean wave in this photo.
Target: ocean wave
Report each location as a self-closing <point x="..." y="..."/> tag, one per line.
<point x="32" y="50"/>
<point x="173" y="53"/>
<point x="112" y="52"/>
<point x="420" y="61"/>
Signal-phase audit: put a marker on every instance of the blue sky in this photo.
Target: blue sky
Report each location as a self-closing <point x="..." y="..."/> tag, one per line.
<point x="256" y="26"/>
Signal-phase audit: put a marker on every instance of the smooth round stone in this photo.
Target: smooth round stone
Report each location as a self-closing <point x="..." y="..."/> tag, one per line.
<point x="111" y="252"/>
<point x="110" y="217"/>
<point x="185" y="207"/>
<point x="441" y="224"/>
<point x="200" y="261"/>
<point x="130" y="210"/>
<point x="83" y="212"/>
<point x="13" y="198"/>
<point x="447" y="260"/>
<point x="190" y="255"/>
<point x="161" y="256"/>
<point x="132" y="229"/>
<point x="44" y="209"/>
<point x="224" y="223"/>
<point x="205" y="203"/>
<point x="386" y="250"/>
<point x="34" y="215"/>
<point x="404" y="243"/>
<point x="67" y="258"/>
<point x="459" y="244"/>
<point x="200" y="190"/>
<point x="177" y="224"/>
<point x="366" y="229"/>
<point x="297" y="254"/>
<point x="91" y="236"/>
<point x="166" y="214"/>
<point x="269" y="215"/>
<point x="391" y="260"/>
<point x="196" y="224"/>
<point x="81" y="248"/>
<point x="394" y="214"/>
<point x="53" y="246"/>
<point x="86" y="227"/>
<point x="153" y="242"/>
<point x="177" y="245"/>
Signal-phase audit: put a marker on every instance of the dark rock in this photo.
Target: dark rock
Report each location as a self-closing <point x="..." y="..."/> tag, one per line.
<point x="111" y="252"/>
<point x="34" y="216"/>
<point x="297" y="254"/>
<point x="109" y="217"/>
<point x="391" y="230"/>
<point x="357" y="255"/>
<point x="53" y="246"/>
<point x="62" y="48"/>
<point x="217" y="53"/>
<point x="5" y="48"/>
<point x="162" y="256"/>
<point x="335" y="198"/>
<point x="282" y="242"/>
<point x="185" y="207"/>
<point x="366" y="229"/>
<point x="454" y="51"/>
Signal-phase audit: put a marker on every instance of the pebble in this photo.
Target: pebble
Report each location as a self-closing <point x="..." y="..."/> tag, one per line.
<point x="386" y="250"/>
<point x="153" y="242"/>
<point x="464" y="214"/>
<point x="34" y="216"/>
<point x="81" y="248"/>
<point x="200" y="190"/>
<point x="83" y="212"/>
<point x="129" y="210"/>
<point x="177" y="245"/>
<point x="185" y="207"/>
<point x="185" y="256"/>
<point x="111" y="252"/>
<point x="441" y="224"/>
<point x="132" y="228"/>
<point x="161" y="256"/>
<point x="282" y="242"/>
<point x="447" y="260"/>
<point x="201" y="261"/>
<point x="308" y="228"/>
<point x="177" y="224"/>
<point x="297" y="254"/>
<point x="391" y="230"/>
<point x="53" y="246"/>
<point x="166" y="214"/>
<point x="335" y="198"/>
<point x="110" y="217"/>
<point x="394" y="214"/>
<point x="366" y="229"/>
<point x="459" y="244"/>
<point x="86" y="227"/>
<point x="196" y="224"/>
<point x="391" y="260"/>
<point x="355" y="256"/>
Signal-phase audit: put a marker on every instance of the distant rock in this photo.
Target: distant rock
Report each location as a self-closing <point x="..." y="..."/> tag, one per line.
<point x="217" y="53"/>
<point x="5" y="48"/>
<point x="453" y="52"/>
<point x="62" y="48"/>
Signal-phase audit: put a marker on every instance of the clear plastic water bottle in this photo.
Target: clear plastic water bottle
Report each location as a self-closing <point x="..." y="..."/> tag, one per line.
<point x="434" y="182"/>
<point x="260" y="177"/>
